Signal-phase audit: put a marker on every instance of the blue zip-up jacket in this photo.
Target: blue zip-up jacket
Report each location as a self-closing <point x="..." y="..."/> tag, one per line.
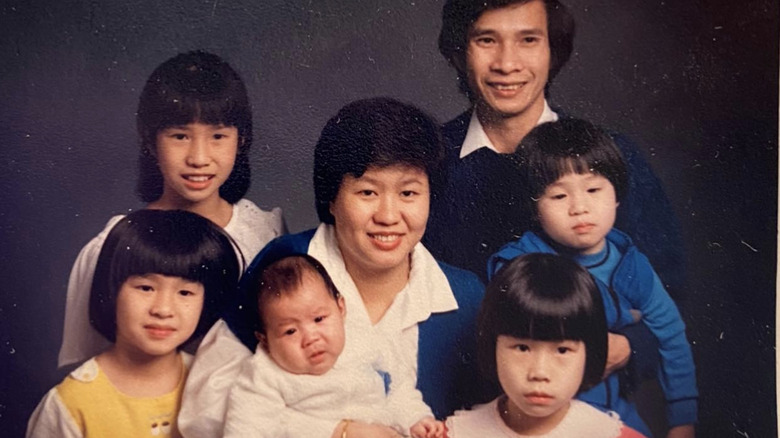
<point x="477" y="206"/>
<point x="633" y="284"/>
<point x="447" y="373"/>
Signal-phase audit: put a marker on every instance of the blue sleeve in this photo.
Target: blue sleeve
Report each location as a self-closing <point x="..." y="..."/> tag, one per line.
<point x="643" y="364"/>
<point x="677" y="374"/>
<point x="646" y="215"/>
<point x="447" y="373"/>
<point x="473" y="388"/>
<point x="530" y="242"/>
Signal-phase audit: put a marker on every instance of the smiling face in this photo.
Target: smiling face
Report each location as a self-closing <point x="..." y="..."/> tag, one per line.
<point x="508" y="60"/>
<point x="155" y="313"/>
<point x="304" y="328"/>
<point x="195" y="160"/>
<point x="380" y="217"/>
<point x="539" y="379"/>
<point x="578" y="210"/>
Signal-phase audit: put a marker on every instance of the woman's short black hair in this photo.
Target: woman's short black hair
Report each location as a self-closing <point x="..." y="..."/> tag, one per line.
<point x="193" y="87"/>
<point x="167" y="242"/>
<point x="376" y="132"/>
<point x="545" y="297"/>
<point x="459" y="15"/>
<point x="282" y="276"/>
<point x="552" y="150"/>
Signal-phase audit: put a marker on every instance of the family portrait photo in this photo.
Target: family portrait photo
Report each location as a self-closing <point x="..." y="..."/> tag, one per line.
<point x="389" y="218"/>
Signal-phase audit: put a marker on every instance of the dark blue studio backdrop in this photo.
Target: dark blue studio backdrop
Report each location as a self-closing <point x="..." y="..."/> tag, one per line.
<point x="694" y="82"/>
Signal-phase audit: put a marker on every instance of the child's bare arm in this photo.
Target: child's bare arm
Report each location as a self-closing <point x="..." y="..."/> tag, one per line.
<point x="357" y="429"/>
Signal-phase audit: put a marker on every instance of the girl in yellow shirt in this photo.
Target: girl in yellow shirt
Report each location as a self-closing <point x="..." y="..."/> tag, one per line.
<point x="159" y="281"/>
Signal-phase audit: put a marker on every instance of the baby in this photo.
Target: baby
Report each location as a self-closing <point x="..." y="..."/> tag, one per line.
<point x="304" y="365"/>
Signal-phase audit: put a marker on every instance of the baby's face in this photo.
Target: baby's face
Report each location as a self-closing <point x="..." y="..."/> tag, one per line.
<point x="578" y="210"/>
<point x="305" y="328"/>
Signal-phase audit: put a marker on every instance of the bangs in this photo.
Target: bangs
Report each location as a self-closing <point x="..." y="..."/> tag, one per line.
<point x="549" y="316"/>
<point x="173" y="243"/>
<point x="182" y="259"/>
<point x="177" y="107"/>
<point x="552" y="168"/>
<point x="543" y="297"/>
<point x="546" y="328"/>
<point x="377" y="132"/>
<point x="176" y="244"/>
<point x="393" y="136"/>
<point x="553" y="150"/>
<point x="193" y="87"/>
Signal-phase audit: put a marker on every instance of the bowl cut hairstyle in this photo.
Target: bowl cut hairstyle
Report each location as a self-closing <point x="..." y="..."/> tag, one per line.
<point x="167" y="242"/>
<point x="376" y="132"/>
<point x="282" y="276"/>
<point x="458" y="16"/>
<point x="552" y="150"/>
<point x="193" y="87"/>
<point x="544" y="297"/>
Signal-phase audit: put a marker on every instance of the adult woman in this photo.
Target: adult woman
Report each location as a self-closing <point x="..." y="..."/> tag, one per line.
<point x="372" y="193"/>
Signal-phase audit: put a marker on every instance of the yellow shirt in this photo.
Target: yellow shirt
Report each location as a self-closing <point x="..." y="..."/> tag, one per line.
<point x="95" y="408"/>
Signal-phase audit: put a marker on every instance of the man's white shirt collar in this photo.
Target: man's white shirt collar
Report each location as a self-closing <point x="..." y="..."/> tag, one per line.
<point x="476" y="138"/>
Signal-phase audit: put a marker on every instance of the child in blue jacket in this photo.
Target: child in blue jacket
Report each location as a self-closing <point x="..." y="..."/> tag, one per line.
<point x="574" y="176"/>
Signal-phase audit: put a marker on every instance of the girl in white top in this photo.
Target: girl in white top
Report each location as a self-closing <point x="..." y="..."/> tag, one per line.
<point x="161" y="279"/>
<point x="195" y="125"/>
<point x="542" y="335"/>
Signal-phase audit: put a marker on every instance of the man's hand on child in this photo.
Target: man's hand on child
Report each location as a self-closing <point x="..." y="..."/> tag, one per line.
<point x="428" y="427"/>
<point x="618" y="348"/>
<point x="684" y="431"/>
<point x="618" y="353"/>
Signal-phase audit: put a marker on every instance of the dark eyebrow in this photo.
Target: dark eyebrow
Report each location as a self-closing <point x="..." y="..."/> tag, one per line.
<point x="475" y="31"/>
<point x="531" y="32"/>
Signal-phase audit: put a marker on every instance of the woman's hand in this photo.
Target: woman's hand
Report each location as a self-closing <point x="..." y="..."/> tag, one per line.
<point x="356" y="429"/>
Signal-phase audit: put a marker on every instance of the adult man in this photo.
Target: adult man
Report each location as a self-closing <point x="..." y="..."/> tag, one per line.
<point x="506" y="53"/>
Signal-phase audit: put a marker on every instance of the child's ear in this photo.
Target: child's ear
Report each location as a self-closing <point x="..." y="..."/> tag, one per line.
<point x="262" y="340"/>
<point x="342" y="305"/>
